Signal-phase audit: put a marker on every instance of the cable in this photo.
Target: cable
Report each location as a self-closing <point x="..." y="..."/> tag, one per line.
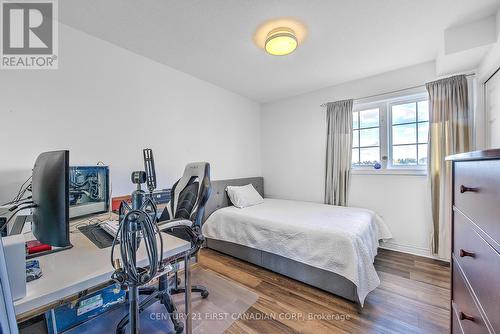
<point x="148" y="228"/>
<point x="19" y="195"/>
<point x="21" y="191"/>
<point x="13" y="208"/>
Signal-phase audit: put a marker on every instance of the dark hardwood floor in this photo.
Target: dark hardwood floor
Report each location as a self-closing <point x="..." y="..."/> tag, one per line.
<point x="413" y="297"/>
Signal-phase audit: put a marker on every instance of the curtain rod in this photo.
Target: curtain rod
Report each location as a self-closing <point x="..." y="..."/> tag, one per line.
<point x="392" y="92"/>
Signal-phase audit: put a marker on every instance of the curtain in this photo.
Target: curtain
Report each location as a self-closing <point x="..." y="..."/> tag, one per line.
<point x="449" y="133"/>
<point x="338" y="151"/>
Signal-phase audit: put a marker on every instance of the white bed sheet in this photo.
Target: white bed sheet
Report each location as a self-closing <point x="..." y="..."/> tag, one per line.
<point x="342" y="240"/>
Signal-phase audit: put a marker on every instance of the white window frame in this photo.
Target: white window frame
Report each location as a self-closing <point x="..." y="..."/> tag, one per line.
<point x="382" y="143"/>
<point x="385" y="136"/>
<point x="414" y="99"/>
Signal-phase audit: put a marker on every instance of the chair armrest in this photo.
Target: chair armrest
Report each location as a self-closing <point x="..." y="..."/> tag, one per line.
<point x="194" y="234"/>
<point x="168" y="224"/>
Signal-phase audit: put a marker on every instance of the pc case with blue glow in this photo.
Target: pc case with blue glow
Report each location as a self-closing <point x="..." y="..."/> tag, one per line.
<point x="88" y="190"/>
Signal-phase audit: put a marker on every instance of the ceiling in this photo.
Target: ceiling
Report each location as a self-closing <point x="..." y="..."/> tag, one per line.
<point x="215" y="40"/>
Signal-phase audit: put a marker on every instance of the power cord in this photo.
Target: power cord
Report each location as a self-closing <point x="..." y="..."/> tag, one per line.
<point x="13" y="208"/>
<point x="134" y="225"/>
<point x="21" y="192"/>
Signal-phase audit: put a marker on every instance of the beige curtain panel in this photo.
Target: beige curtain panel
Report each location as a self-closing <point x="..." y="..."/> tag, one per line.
<point x="449" y="134"/>
<point x="338" y="152"/>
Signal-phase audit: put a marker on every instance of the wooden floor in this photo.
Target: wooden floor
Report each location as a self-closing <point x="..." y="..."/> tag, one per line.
<point x="413" y="297"/>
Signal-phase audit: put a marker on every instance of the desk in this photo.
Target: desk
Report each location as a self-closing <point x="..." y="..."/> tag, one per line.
<point x="83" y="267"/>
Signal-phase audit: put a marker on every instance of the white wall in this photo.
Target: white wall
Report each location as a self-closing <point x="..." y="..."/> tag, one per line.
<point x="492" y="110"/>
<point x="490" y="114"/>
<point x="293" y="155"/>
<point x="106" y="103"/>
<point x="97" y="102"/>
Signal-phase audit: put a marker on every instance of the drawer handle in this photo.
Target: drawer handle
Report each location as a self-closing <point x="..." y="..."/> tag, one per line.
<point x="464" y="189"/>
<point x="463" y="316"/>
<point x="464" y="253"/>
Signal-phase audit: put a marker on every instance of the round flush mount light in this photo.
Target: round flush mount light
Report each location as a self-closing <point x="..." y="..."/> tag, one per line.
<point x="281" y="41"/>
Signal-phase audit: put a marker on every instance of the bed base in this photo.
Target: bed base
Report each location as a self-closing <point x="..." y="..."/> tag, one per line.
<point x="319" y="278"/>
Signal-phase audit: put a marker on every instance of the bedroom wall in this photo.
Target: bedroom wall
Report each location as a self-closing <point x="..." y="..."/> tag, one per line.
<point x="105" y="103"/>
<point x="293" y="146"/>
<point x="490" y="110"/>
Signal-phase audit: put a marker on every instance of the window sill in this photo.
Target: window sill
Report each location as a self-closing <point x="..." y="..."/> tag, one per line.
<point x="399" y="171"/>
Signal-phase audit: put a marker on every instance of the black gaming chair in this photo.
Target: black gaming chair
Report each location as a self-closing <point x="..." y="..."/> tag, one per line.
<point x="189" y="196"/>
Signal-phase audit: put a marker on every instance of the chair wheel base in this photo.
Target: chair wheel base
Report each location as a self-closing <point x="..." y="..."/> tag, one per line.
<point x="179" y="329"/>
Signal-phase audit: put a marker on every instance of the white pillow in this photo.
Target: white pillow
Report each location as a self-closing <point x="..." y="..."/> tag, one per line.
<point x="244" y="196"/>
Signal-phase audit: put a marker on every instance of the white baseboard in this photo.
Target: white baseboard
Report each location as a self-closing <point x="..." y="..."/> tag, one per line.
<point x="419" y="251"/>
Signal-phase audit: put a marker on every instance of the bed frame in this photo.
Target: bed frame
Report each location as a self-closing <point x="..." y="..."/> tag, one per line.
<point x="299" y="271"/>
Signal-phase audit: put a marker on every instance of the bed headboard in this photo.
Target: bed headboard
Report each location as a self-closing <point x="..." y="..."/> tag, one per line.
<point x="219" y="199"/>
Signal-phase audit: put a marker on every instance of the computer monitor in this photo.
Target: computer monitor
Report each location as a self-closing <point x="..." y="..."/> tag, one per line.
<point x="50" y="195"/>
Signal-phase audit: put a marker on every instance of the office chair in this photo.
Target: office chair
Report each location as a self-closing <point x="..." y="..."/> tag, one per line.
<point x="189" y="197"/>
<point x="187" y="206"/>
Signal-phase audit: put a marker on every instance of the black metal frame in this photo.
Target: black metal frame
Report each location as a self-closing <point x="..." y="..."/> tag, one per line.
<point x="154" y="294"/>
<point x="192" y="227"/>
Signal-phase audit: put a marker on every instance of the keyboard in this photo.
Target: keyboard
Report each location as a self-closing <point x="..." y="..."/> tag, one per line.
<point x="110" y="227"/>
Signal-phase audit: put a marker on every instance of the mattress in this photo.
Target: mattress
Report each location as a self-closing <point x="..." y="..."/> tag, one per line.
<point x="343" y="240"/>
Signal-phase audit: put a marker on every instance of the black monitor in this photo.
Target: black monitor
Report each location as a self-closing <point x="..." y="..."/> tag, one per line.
<point x="50" y="194"/>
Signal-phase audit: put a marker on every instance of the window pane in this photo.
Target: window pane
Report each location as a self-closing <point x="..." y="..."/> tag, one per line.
<point x="404" y="113"/>
<point x="404" y="134"/>
<point x="423" y="111"/>
<point x="369" y="156"/>
<point x="355" y="138"/>
<point x="355" y="120"/>
<point x="368" y="118"/>
<point x="404" y="155"/>
<point x="423" y="132"/>
<point x="355" y="156"/>
<point x="422" y="154"/>
<point x="369" y="137"/>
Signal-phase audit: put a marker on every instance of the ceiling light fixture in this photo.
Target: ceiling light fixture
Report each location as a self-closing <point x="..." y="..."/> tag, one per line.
<point x="281" y="41"/>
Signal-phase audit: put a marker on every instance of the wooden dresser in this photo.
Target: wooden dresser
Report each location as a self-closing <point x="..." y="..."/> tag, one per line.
<point x="475" y="294"/>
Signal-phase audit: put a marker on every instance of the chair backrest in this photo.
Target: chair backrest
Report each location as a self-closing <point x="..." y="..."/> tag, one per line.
<point x="191" y="192"/>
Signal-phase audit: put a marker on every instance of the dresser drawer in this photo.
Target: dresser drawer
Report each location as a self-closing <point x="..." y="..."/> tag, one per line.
<point x="468" y="315"/>
<point x="481" y="264"/>
<point x="455" y="322"/>
<point x="477" y="193"/>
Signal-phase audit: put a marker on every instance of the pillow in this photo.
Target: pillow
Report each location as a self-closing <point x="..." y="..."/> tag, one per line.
<point x="244" y="196"/>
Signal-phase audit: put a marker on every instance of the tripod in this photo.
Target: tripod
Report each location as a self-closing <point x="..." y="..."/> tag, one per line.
<point x="136" y="224"/>
<point x="139" y="224"/>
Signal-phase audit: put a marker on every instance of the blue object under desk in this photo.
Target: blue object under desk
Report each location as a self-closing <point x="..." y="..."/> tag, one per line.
<point x="71" y="314"/>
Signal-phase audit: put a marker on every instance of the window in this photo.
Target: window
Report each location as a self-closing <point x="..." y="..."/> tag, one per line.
<point x="366" y="137"/>
<point x="393" y="133"/>
<point x="409" y="133"/>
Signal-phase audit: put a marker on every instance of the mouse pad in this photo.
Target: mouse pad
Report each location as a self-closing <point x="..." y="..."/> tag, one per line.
<point x="97" y="235"/>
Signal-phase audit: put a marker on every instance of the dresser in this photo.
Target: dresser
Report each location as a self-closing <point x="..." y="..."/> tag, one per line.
<point x="475" y="248"/>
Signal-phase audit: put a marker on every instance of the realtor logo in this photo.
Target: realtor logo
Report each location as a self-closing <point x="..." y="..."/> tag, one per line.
<point x="29" y="34"/>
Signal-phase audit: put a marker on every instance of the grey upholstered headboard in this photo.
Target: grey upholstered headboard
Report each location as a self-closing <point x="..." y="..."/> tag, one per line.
<point x="219" y="199"/>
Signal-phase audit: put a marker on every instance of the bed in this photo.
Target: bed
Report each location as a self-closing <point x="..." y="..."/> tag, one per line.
<point x="329" y="247"/>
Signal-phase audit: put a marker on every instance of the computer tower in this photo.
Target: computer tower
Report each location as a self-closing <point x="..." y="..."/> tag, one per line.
<point x="89" y="191"/>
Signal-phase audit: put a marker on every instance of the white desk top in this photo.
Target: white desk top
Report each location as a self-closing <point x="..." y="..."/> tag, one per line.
<point x="84" y="266"/>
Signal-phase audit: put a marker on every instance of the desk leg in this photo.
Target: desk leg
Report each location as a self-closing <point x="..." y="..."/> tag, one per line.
<point x="187" y="286"/>
<point x="54" y="324"/>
